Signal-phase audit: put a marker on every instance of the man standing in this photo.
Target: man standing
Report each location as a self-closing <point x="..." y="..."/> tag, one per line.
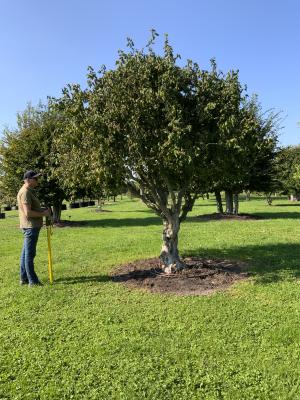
<point x="31" y="220"/>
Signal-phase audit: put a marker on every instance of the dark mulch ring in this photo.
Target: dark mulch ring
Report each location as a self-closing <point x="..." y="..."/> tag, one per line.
<point x="72" y="224"/>
<point x="202" y="276"/>
<point x="68" y="224"/>
<point x="219" y="216"/>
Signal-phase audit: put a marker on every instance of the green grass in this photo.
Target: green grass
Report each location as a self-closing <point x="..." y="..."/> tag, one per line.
<point x="86" y="337"/>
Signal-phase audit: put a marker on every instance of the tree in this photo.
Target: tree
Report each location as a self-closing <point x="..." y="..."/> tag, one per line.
<point x="151" y="125"/>
<point x="247" y="140"/>
<point x="287" y="170"/>
<point x="29" y="147"/>
<point x="143" y="124"/>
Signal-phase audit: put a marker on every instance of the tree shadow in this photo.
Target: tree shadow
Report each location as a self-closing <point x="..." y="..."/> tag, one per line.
<point x="279" y="215"/>
<point x="257" y="216"/>
<point x="83" y="279"/>
<point x="205" y="205"/>
<point x="287" y="205"/>
<point x="113" y="222"/>
<point x="267" y="263"/>
<point x="214" y="217"/>
<point x="147" y="211"/>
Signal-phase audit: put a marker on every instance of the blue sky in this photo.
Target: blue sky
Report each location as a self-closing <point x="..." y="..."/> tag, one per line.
<point x="46" y="44"/>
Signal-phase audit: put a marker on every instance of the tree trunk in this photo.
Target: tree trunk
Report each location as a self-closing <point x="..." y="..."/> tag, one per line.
<point x="229" y="202"/>
<point x="236" y="203"/>
<point x="219" y="202"/>
<point x="169" y="252"/>
<point x="269" y="198"/>
<point x="57" y="211"/>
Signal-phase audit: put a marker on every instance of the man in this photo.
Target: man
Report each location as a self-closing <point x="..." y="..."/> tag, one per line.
<point x="31" y="220"/>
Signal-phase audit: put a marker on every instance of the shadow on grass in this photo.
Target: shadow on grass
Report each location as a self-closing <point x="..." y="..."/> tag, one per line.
<point x="114" y="222"/>
<point x="279" y="215"/>
<point x="257" y="216"/>
<point x="147" y="211"/>
<point x="215" y="217"/>
<point x="84" y="279"/>
<point x="268" y="263"/>
<point x="205" y="205"/>
<point x="287" y="205"/>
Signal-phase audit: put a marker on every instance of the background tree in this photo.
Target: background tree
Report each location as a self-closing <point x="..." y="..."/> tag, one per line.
<point x="287" y="170"/>
<point x="246" y="141"/>
<point x="30" y="147"/>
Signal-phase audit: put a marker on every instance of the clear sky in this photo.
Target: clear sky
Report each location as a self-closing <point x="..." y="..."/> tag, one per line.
<point x="46" y="44"/>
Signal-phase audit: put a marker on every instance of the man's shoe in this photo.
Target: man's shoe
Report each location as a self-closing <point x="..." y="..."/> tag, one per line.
<point x="35" y="284"/>
<point x="23" y="283"/>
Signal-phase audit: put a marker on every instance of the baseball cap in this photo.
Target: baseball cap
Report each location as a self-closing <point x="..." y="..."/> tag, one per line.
<point x="31" y="174"/>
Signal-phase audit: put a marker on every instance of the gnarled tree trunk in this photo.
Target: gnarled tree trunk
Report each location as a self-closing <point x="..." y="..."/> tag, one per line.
<point x="169" y="252"/>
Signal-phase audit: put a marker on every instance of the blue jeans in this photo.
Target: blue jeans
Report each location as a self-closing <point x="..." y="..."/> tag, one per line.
<point x="27" y="273"/>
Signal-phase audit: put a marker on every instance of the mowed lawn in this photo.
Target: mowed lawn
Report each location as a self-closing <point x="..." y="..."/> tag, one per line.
<point x="86" y="337"/>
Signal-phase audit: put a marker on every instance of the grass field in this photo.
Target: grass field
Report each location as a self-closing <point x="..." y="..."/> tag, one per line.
<point x="87" y="337"/>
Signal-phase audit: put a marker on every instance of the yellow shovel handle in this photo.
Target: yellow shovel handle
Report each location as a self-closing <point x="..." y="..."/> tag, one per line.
<point x="50" y="269"/>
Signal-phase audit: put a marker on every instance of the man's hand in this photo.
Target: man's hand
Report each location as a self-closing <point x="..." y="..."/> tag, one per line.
<point x="30" y="213"/>
<point x="46" y="212"/>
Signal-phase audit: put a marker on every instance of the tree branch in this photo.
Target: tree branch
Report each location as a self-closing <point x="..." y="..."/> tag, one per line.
<point x="189" y="202"/>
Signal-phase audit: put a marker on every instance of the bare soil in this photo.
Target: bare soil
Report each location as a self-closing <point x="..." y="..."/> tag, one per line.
<point x="219" y="216"/>
<point x="201" y="277"/>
